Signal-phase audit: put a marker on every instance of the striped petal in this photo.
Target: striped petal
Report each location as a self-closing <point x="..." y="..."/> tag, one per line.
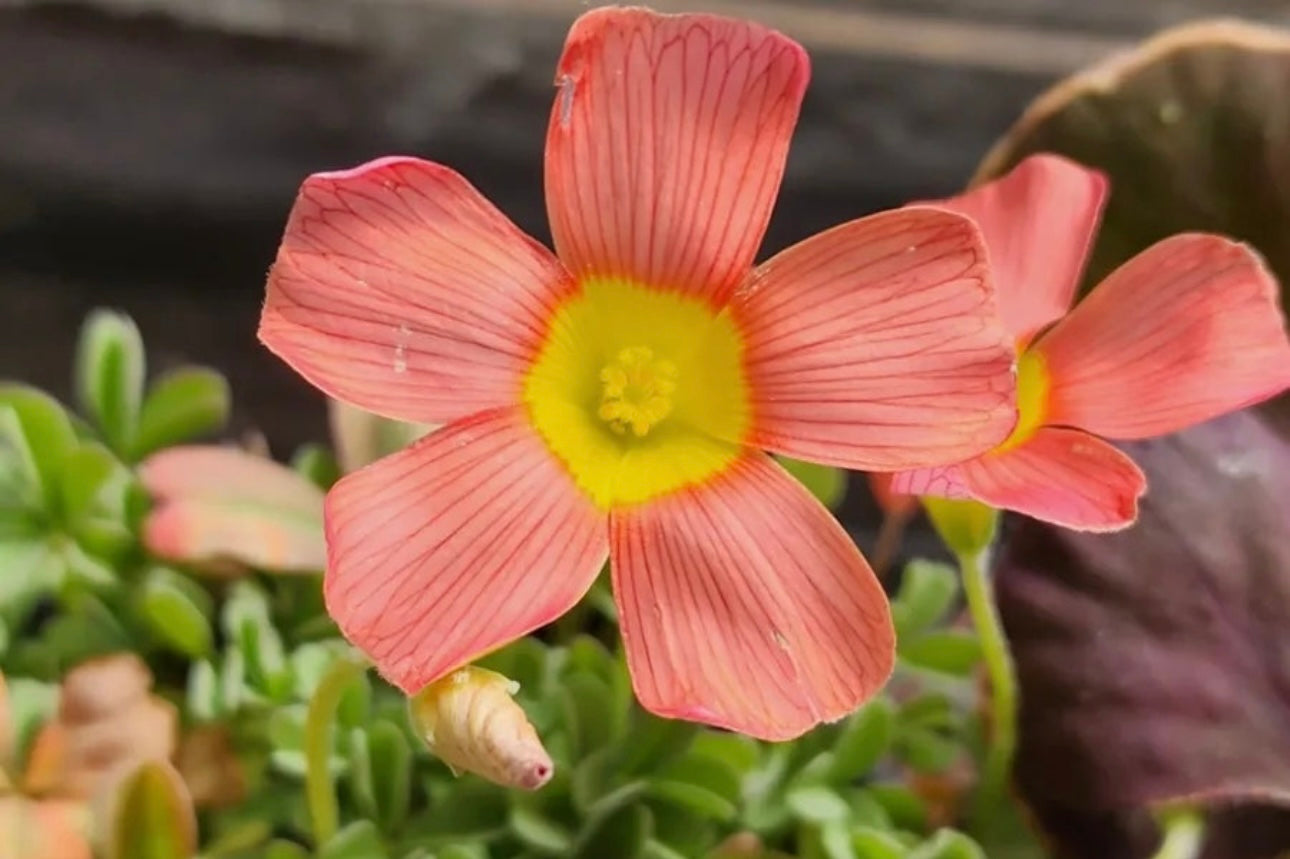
<point x="1187" y="330"/>
<point x="467" y="540"/>
<point x="942" y="481"/>
<point x="666" y="146"/>
<point x="876" y="345"/>
<point x="400" y="289"/>
<point x="1039" y="222"/>
<point x="1063" y="476"/>
<point x="744" y="605"/>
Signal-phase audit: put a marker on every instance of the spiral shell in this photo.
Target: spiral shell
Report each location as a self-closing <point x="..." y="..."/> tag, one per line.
<point x="470" y="721"/>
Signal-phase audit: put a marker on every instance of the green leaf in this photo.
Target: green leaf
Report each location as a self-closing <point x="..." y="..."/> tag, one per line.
<point x="177" y="611"/>
<point x="865" y="810"/>
<point x="468" y="810"/>
<point x="835" y="841"/>
<point x="871" y="843"/>
<point x="902" y="804"/>
<point x="947" y="844"/>
<point x="655" y="741"/>
<point x="927" y="591"/>
<point x="317" y="464"/>
<point x="32" y="704"/>
<point x="235" y="841"/>
<point x="739" y="752"/>
<point x="31" y="568"/>
<point x="232" y="680"/>
<point x="285" y="850"/>
<point x="90" y="475"/>
<point x="865" y="738"/>
<point x="391" y="758"/>
<point x="948" y="651"/>
<point x="539" y="833"/>
<point x="86" y="628"/>
<point x="926" y="750"/>
<point x="203" y="697"/>
<point x="358" y="840"/>
<point x="655" y="849"/>
<point x="685" y="831"/>
<point x="39" y="434"/>
<point x="153" y="816"/>
<point x="816" y="804"/>
<point x="826" y="483"/>
<point x="705" y="784"/>
<point x="621" y="834"/>
<point x="362" y="786"/>
<point x="181" y="405"/>
<point x="929" y="710"/>
<point x="109" y="375"/>
<point x="589" y="712"/>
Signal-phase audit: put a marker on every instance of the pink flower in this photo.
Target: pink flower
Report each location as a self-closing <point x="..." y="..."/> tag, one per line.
<point x="1185" y="331"/>
<point x="616" y="401"/>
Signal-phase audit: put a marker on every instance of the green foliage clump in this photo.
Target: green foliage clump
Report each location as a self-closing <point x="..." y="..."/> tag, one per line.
<point x="315" y="757"/>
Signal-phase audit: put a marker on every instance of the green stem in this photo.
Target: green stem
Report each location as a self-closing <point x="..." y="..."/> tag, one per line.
<point x="1184" y="834"/>
<point x="321" y="793"/>
<point x="1003" y="684"/>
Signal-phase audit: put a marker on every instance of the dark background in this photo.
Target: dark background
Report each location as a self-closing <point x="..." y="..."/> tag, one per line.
<point x="149" y="149"/>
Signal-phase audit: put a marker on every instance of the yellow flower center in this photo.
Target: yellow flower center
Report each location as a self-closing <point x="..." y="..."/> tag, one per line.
<point x="638" y="391"/>
<point x="1032" y="400"/>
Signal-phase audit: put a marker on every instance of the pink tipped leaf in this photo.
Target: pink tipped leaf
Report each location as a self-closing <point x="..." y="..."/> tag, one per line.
<point x="1187" y="330"/>
<point x="225" y="509"/>
<point x="463" y="542"/>
<point x="1062" y="476"/>
<point x="876" y="345"/>
<point x="228" y="474"/>
<point x="1039" y="221"/>
<point x="224" y="537"/>
<point x="745" y="605"/>
<point x="400" y="289"/>
<point x="667" y="144"/>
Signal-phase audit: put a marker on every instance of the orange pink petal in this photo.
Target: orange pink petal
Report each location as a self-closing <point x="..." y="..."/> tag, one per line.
<point x="744" y="604"/>
<point x="1188" y="330"/>
<point x="1063" y="476"/>
<point x="1039" y="222"/>
<point x="467" y="540"/>
<point x="666" y="146"/>
<point x="400" y="289"/>
<point x="876" y="345"/>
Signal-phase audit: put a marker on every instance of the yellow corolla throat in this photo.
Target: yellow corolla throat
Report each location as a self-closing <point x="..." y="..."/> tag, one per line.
<point x="638" y="391"/>
<point x="1032" y="400"/>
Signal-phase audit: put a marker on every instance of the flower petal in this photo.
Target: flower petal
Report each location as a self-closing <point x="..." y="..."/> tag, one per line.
<point x="457" y="545"/>
<point x="876" y="345"/>
<point x="666" y="146"/>
<point x="400" y="289"/>
<point x="941" y="481"/>
<point x="1039" y="222"/>
<point x="1187" y="330"/>
<point x="1063" y="476"/>
<point x="745" y="605"/>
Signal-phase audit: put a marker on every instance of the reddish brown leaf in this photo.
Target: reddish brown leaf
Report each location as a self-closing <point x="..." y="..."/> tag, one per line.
<point x="1155" y="663"/>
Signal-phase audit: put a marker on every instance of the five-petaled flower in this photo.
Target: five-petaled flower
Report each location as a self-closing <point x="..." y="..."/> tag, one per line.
<point x="1185" y="331"/>
<point x="618" y="400"/>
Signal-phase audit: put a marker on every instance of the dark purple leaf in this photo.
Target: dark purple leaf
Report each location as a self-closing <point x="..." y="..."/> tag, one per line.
<point x="1155" y="663"/>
